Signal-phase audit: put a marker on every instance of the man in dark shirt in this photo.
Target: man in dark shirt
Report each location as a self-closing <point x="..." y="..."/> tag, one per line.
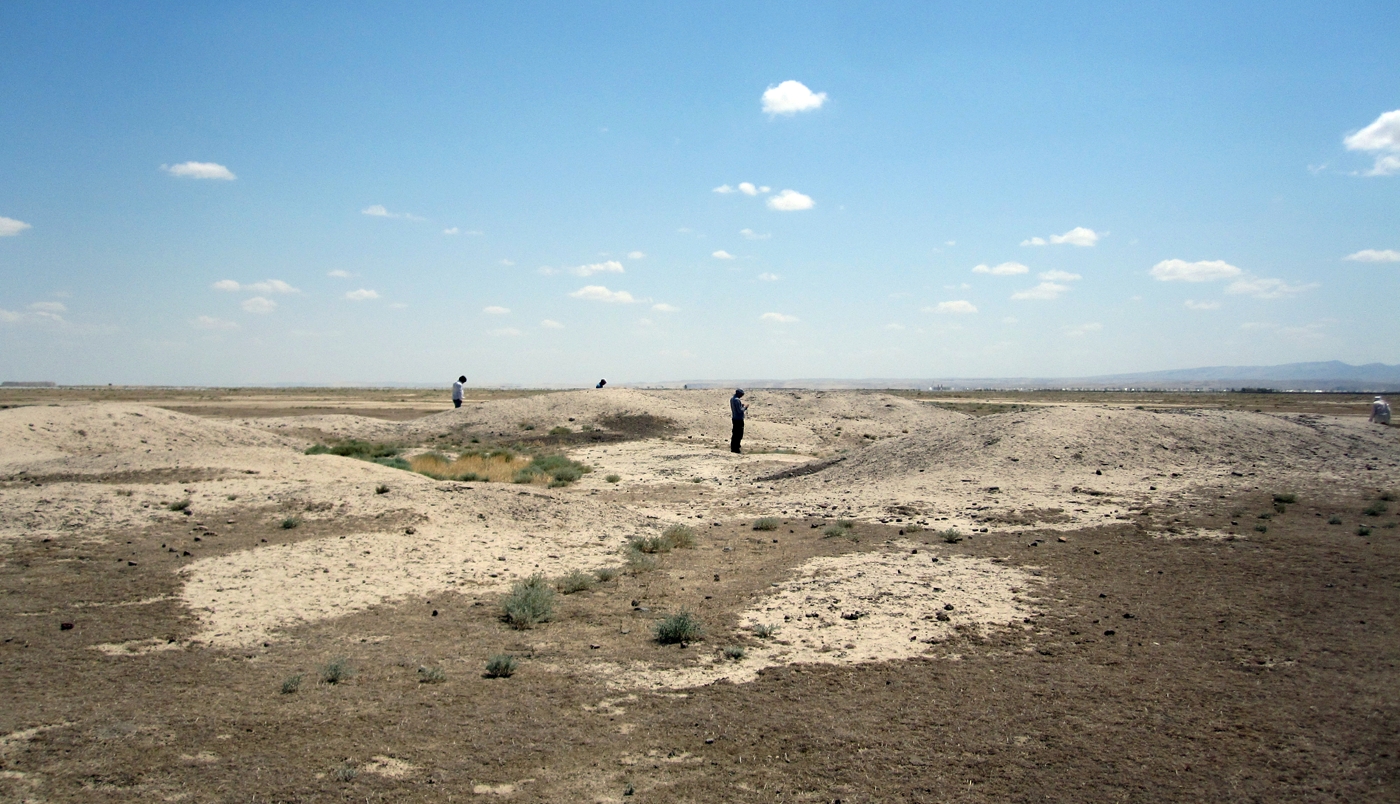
<point x="736" y="412"/>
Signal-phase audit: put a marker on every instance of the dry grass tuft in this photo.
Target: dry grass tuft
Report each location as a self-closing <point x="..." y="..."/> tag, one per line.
<point x="493" y="467"/>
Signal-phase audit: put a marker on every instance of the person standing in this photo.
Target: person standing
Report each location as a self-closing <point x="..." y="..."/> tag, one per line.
<point x="1380" y="411"/>
<point x="457" y="391"/>
<point x="737" y="409"/>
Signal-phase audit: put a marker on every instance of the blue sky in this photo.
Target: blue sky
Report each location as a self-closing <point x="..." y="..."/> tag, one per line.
<point x="527" y="193"/>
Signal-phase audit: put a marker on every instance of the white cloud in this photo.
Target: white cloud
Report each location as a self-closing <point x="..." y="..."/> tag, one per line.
<point x="48" y="307"/>
<point x="226" y="285"/>
<point x="1266" y="288"/>
<point x="1374" y="255"/>
<point x="494" y="310"/>
<point x="451" y="230"/>
<point x="505" y="332"/>
<point x="1004" y="269"/>
<point x="665" y="308"/>
<point x="609" y="267"/>
<point x="338" y="274"/>
<point x="767" y="277"/>
<point x="636" y="255"/>
<point x="1034" y="241"/>
<point x="259" y="305"/>
<point x="378" y="211"/>
<point x="790" y="201"/>
<point x="199" y="170"/>
<point x="549" y="323"/>
<point x="271" y="286"/>
<point x="723" y="189"/>
<point x="750" y="234"/>
<point x="1183" y="271"/>
<point x="1082" y="329"/>
<point x="9" y="227"/>
<point x="1059" y="276"/>
<point x="602" y="294"/>
<point x="747" y="189"/>
<point x="779" y="318"/>
<point x="210" y="322"/>
<point x="363" y="294"/>
<point x="1202" y="305"/>
<point x="38" y="312"/>
<point x="507" y="263"/>
<point x="959" y="307"/>
<point x="1078" y="236"/>
<point x="791" y="97"/>
<point x="722" y="255"/>
<point x="1045" y="290"/>
<point x="1382" y="135"/>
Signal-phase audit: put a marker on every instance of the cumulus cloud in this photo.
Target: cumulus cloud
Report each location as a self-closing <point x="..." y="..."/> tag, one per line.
<point x="636" y="255"/>
<point x="790" y="201"/>
<point x="378" y="211"/>
<point x="48" y="307"/>
<point x="36" y="313"/>
<point x="750" y="234"/>
<point x="609" y="267"/>
<point x="747" y="189"/>
<point x="779" y="318"/>
<point x="1078" y="236"/>
<point x="959" y="307"/>
<point x="602" y="294"/>
<point x="791" y="97"/>
<point x="265" y="286"/>
<point x="722" y="255"/>
<point x="1374" y="255"/>
<point x="494" y="310"/>
<point x="1043" y="291"/>
<point x="363" y="294"/>
<point x="1202" y="305"/>
<point x="1261" y="288"/>
<point x="1203" y="271"/>
<point x="210" y="322"/>
<point x="451" y="230"/>
<point x="1380" y="137"/>
<point x="665" y="308"/>
<point x="767" y="277"/>
<point x="227" y="285"/>
<point x="723" y="189"/>
<point x="1059" y="276"/>
<point x="199" y="170"/>
<point x="550" y="323"/>
<point x="1004" y="269"/>
<point x="9" y="227"/>
<point x="259" y="305"/>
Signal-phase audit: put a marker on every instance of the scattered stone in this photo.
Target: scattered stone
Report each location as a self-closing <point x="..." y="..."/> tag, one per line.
<point x="65" y="626"/>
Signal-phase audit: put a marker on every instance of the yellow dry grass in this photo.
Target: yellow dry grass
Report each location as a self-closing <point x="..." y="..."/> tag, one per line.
<point x="498" y="468"/>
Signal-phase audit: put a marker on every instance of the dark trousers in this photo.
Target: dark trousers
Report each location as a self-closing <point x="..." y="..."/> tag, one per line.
<point x="737" y="436"/>
<point x="456" y="403"/>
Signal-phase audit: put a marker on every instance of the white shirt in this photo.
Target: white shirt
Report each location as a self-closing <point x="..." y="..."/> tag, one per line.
<point x="457" y="391"/>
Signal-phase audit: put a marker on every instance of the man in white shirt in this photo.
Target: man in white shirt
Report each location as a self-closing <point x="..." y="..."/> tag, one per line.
<point x="457" y="391"/>
<point x="1380" y="411"/>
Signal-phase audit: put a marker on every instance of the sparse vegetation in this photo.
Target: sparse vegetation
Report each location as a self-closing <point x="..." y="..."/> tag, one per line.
<point x="559" y="431"/>
<point x="639" y="562"/>
<point x="735" y="652"/>
<point x="291" y="522"/>
<point x="500" y="666"/>
<point x="576" y="581"/>
<point x="529" y="603"/>
<point x="605" y="574"/>
<point x="767" y="523"/>
<point x="679" y="628"/>
<point x="345" y="773"/>
<point x="381" y="489"/>
<point x="651" y="544"/>
<point x="555" y="470"/>
<point x="613" y="478"/>
<point x="179" y="505"/>
<point x="385" y="454"/>
<point x="680" y="536"/>
<point x="765" y="631"/>
<point x="1363" y="530"/>
<point x="840" y="530"/>
<point x="1376" y="508"/>
<point x="125" y="492"/>
<point x="291" y="684"/>
<point x="951" y="536"/>
<point x="1334" y="520"/>
<point x="1287" y="499"/>
<point x="1262" y="528"/>
<point x="336" y="671"/>
<point x="526" y="426"/>
<point x="431" y="675"/>
<point x="486" y="466"/>
<point x="1387" y="496"/>
<point x="913" y="527"/>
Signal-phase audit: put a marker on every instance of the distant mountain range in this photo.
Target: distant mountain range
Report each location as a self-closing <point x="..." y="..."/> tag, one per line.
<point x="1332" y="375"/>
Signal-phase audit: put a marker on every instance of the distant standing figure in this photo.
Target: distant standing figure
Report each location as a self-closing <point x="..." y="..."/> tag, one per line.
<point x="457" y="391"/>
<point x="601" y="383"/>
<point x="736" y="411"/>
<point x="1380" y="411"/>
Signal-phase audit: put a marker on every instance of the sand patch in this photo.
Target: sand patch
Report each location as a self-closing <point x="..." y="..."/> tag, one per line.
<point x="138" y="647"/>
<point x="849" y="609"/>
<point x="388" y="767"/>
<point x="16" y="739"/>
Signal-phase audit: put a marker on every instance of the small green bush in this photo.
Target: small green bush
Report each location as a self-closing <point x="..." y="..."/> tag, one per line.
<point x="529" y="603"/>
<point x="431" y="675"/>
<point x="179" y="505"/>
<point x="291" y="522"/>
<point x="291" y="684"/>
<point x="526" y="426"/>
<point x="767" y="523"/>
<point x="336" y="671"/>
<point x="1280" y="508"/>
<point x="1387" y="496"/>
<point x="363" y="450"/>
<point x="345" y="773"/>
<point x="680" y="536"/>
<point x="1334" y="520"/>
<point x="651" y="544"/>
<point x="1376" y="508"/>
<point x="951" y="536"/>
<point x="1262" y="528"/>
<point x="765" y="631"/>
<point x="913" y="527"/>
<point x="1362" y="530"/>
<point x="381" y="489"/>
<point x="839" y="531"/>
<point x="605" y="574"/>
<point x="613" y="478"/>
<point x="500" y="666"/>
<point x="735" y="652"/>
<point x="679" y="628"/>
<point x="1288" y="499"/>
<point x="639" y="562"/>
<point x="559" y="431"/>
<point x="575" y="581"/>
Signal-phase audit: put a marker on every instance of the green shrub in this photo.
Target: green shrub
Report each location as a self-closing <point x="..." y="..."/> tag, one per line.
<point x="735" y="652"/>
<point x="639" y="562"/>
<point x="345" y="773"/>
<point x="291" y="522"/>
<point x="529" y="603"/>
<point x="1262" y="528"/>
<point x="765" y="631"/>
<point x="1376" y="508"/>
<point x="291" y="684"/>
<point x="1362" y="530"/>
<point x="1286" y="498"/>
<point x="364" y="450"/>
<point x="559" y="431"/>
<point x="558" y="468"/>
<point x="1387" y="496"/>
<point x="606" y="574"/>
<point x="336" y="671"/>
<point x="613" y="478"/>
<point x="951" y="536"/>
<point x="913" y="527"/>
<point x="381" y="489"/>
<point x="679" y="628"/>
<point x="681" y="536"/>
<point x="650" y="544"/>
<point x="839" y="531"/>
<point x="575" y="581"/>
<point x="500" y="666"/>
<point x="767" y="523"/>
<point x="179" y="505"/>
<point x="1334" y="520"/>
<point x="431" y="675"/>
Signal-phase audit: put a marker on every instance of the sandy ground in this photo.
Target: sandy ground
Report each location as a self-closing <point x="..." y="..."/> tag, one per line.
<point x="100" y="477"/>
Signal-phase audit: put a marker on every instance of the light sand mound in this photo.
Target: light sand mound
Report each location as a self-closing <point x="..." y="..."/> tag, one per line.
<point x="849" y="609"/>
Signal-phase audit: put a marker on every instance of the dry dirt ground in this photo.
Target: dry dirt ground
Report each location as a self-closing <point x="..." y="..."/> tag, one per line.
<point x="1074" y="598"/>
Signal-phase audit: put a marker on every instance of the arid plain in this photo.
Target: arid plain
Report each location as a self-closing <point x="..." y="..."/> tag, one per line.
<point x="904" y="597"/>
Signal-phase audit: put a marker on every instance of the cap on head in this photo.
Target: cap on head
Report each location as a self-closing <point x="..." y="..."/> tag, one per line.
<point x="738" y="391"/>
